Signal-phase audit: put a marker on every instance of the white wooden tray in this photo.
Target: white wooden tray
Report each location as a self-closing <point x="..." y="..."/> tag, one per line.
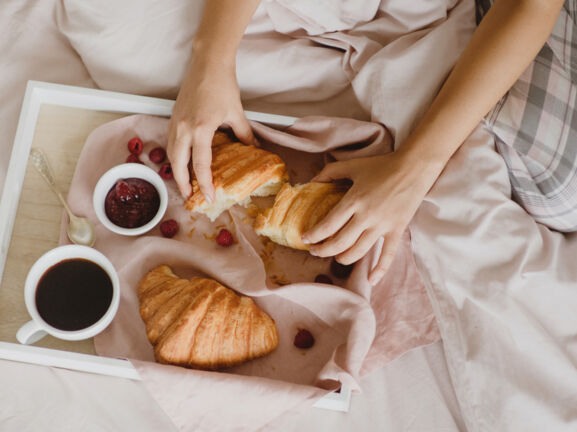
<point x="38" y="96"/>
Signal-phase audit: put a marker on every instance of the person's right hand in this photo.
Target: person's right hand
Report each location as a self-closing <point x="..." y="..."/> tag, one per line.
<point x="209" y="97"/>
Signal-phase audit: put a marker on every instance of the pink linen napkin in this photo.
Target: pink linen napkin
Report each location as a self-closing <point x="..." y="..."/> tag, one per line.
<point x="357" y="327"/>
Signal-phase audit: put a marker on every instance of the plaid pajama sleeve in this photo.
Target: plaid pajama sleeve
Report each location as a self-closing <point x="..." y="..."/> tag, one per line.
<point x="535" y="127"/>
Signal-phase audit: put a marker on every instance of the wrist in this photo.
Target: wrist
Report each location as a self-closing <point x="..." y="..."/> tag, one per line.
<point x="210" y="66"/>
<point x="212" y="53"/>
<point x="422" y="163"/>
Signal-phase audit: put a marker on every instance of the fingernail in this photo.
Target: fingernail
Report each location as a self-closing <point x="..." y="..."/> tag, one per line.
<point x="208" y="198"/>
<point x="305" y="240"/>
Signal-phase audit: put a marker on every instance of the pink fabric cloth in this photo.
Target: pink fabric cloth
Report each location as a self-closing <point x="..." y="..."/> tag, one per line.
<point x="31" y="48"/>
<point x="386" y="62"/>
<point x="277" y="73"/>
<point x="357" y="328"/>
<point x="290" y="16"/>
<point x="504" y="289"/>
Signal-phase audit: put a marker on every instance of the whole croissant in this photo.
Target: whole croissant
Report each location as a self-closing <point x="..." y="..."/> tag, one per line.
<point x="201" y="324"/>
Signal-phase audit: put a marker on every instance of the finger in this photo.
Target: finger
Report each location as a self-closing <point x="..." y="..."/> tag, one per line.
<point x="362" y="246"/>
<point x="201" y="160"/>
<point x="333" y="171"/>
<point x="390" y="245"/>
<point x="337" y="217"/>
<point x="179" y="155"/>
<point x="341" y="241"/>
<point x="242" y="130"/>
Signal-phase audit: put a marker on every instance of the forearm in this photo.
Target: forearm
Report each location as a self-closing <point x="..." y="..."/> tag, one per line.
<point x="505" y="43"/>
<point x="209" y="95"/>
<point x="222" y="27"/>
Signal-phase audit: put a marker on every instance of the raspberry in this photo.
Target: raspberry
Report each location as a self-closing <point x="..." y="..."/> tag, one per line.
<point x="165" y="171"/>
<point x="135" y="146"/>
<point x="132" y="158"/>
<point x="124" y="191"/>
<point x="157" y="155"/>
<point x="324" y="279"/>
<point x="169" y="228"/>
<point x="224" y="238"/>
<point x="304" y="339"/>
<point x="341" y="271"/>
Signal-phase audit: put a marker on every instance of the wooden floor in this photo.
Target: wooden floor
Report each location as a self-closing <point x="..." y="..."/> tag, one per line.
<point x="60" y="133"/>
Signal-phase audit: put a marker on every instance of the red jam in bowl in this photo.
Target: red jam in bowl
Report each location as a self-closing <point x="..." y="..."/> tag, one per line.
<point x="131" y="203"/>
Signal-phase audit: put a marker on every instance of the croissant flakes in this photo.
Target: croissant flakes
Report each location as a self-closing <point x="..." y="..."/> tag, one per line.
<point x="201" y="324"/>
<point x="239" y="171"/>
<point x="297" y="209"/>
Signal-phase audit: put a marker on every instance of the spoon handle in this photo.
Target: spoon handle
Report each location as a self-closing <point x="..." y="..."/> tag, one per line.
<point x="40" y="163"/>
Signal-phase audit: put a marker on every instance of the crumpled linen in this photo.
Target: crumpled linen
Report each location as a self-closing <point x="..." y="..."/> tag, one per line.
<point x="504" y="289"/>
<point x="385" y="63"/>
<point x="290" y="16"/>
<point x="357" y="328"/>
<point x="23" y="25"/>
<point x="107" y="57"/>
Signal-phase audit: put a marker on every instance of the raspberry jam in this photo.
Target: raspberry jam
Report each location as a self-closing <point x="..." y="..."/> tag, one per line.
<point x="131" y="203"/>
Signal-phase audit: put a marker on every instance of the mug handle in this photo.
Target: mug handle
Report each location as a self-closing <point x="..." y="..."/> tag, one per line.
<point x="29" y="333"/>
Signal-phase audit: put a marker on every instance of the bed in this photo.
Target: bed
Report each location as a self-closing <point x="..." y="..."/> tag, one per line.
<point x="508" y="355"/>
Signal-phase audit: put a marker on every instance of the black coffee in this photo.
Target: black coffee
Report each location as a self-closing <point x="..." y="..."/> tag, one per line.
<point x="73" y="294"/>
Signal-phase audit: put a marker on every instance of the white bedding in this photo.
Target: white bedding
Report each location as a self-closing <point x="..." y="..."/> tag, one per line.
<point x="31" y="47"/>
<point x="411" y="393"/>
<point x="504" y="288"/>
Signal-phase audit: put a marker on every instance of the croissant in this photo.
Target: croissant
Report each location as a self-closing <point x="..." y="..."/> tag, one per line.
<point x="199" y="323"/>
<point x="296" y="209"/>
<point x="239" y="171"/>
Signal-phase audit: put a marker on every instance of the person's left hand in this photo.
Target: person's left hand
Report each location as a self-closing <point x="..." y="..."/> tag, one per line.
<point x="386" y="192"/>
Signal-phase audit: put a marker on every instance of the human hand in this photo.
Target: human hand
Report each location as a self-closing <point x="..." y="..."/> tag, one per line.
<point x="386" y="192"/>
<point x="208" y="98"/>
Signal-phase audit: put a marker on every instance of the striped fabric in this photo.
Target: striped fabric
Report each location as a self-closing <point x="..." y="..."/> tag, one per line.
<point x="535" y="126"/>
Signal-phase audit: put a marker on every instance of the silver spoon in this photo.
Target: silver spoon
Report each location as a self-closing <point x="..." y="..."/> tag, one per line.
<point x="80" y="230"/>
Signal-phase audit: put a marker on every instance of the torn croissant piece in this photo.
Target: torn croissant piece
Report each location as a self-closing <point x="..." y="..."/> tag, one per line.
<point x="297" y="209"/>
<point x="239" y="171"/>
<point x="201" y="324"/>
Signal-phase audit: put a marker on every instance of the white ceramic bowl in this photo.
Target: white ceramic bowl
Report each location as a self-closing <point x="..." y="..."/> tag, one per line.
<point x="124" y="171"/>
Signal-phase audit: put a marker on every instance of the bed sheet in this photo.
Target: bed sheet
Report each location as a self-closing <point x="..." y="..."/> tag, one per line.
<point x="504" y="290"/>
<point x="32" y="48"/>
<point x="503" y="287"/>
<point x="412" y="393"/>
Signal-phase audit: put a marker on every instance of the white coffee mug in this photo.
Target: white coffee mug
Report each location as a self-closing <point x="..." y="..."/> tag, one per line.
<point x="36" y="329"/>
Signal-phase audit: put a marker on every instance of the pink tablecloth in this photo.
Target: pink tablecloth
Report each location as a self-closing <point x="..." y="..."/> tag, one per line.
<point x="357" y="328"/>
